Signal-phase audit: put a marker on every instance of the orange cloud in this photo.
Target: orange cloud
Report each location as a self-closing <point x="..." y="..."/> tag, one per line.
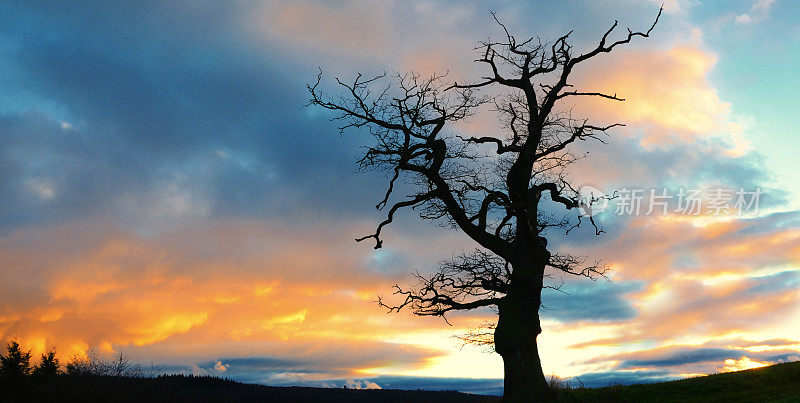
<point x="703" y="283"/>
<point x="667" y="93"/>
<point x="225" y="289"/>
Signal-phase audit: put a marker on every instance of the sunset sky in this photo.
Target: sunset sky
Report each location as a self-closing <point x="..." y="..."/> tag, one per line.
<point x="163" y="191"/>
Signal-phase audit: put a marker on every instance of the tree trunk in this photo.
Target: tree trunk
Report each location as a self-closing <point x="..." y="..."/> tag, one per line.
<point x="515" y="339"/>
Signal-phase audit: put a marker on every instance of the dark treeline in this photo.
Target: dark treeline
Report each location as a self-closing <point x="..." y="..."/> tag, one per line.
<point x="49" y="380"/>
<point x="91" y="378"/>
<point x="16" y="366"/>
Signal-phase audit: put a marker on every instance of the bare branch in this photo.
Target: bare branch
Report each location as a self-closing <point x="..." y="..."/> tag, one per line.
<point x="555" y="194"/>
<point x="465" y="282"/>
<point x="397" y="206"/>
<point x="501" y="148"/>
<point x="577" y="265"/>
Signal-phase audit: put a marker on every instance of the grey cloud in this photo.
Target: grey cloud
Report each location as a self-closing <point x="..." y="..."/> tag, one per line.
<point x="610" y="378"/>
<point x="599" y="301"/>
<point x="685" y="356"/>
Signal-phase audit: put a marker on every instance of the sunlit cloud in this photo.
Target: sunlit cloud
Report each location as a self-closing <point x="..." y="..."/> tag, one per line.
<point x="668" y="95"/>
<point x="175" y="201"/>
<point x="227" y="283"/>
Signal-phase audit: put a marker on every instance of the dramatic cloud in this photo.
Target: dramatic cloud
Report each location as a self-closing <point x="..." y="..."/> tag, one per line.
<point x="245" y="288"/>
<point x="667" y="94"/>
<point x="163" y="192"/>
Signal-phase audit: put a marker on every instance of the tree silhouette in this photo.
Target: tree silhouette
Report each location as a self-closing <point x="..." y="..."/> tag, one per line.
<point x="48" y="366"/>
<point x="490" y="188"/>
<point x="90" y="363"/>
<point x="16" y="363"/>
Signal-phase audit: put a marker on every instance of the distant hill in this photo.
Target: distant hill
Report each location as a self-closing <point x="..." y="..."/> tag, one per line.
<point x="776" y="383"/>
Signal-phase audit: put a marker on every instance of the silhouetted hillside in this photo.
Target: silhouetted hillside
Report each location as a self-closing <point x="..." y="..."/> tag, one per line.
<point x="180" y="388"/>
<point x="779" y="382"/>
<point x="775" y="383"/>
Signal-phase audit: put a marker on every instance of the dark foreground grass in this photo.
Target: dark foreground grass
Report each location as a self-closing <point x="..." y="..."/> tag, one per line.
<point x="776" y="383"/>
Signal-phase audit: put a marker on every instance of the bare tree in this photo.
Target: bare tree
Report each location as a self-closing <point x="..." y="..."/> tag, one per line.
<point x="488" y="187"/>
<point x="94" y="364"/>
